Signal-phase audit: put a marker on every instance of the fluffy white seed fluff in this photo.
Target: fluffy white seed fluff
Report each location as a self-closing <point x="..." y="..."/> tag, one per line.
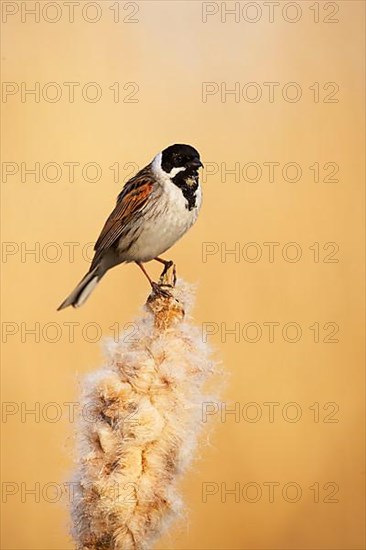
<point x="144" y="412"/>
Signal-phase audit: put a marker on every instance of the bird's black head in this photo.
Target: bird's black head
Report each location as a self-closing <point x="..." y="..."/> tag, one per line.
<point x="180" y="156"/>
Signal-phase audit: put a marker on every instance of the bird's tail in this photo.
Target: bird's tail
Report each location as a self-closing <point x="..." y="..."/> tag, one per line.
<point x="83" y="290"/>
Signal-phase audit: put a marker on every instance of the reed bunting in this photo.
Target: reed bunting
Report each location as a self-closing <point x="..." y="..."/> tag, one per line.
<point x="154" y="209"/>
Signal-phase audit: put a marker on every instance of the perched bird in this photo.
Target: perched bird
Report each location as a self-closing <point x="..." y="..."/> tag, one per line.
<point x="155" y="208"/>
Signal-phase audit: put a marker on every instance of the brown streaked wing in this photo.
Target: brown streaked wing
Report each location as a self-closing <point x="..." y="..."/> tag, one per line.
<point x="132" y="199"/>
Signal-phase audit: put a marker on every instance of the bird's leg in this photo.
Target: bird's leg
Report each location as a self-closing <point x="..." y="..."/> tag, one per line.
<point x="145" y="272"/>
<point x="167" y="265"/>
<point x="155" y="286"/>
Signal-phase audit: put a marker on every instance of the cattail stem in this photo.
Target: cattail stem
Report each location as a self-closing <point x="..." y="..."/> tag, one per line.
<point x="144" y="414"/>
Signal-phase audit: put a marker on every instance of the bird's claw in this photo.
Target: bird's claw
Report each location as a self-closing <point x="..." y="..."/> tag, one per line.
<point x="166" y="276"/>
<point x="159" y="291"/>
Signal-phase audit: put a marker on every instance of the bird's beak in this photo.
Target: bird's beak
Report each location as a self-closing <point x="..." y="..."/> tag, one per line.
<point x="195" y="164"/>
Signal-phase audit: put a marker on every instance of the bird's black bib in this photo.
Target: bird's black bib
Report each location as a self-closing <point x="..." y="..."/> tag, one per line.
<point x="188" y="184"/>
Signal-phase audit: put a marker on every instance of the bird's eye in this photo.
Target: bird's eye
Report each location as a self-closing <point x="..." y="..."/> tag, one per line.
<point x="179" y="158"/>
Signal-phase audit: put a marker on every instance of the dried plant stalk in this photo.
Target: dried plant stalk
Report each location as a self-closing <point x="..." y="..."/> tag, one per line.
<point x="145" y="408"/>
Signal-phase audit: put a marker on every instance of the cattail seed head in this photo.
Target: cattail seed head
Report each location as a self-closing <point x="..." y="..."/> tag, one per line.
<point x="144" y="415"/>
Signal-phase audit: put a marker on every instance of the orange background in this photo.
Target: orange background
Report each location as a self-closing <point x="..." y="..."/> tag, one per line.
<point x="169" y="52"/>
